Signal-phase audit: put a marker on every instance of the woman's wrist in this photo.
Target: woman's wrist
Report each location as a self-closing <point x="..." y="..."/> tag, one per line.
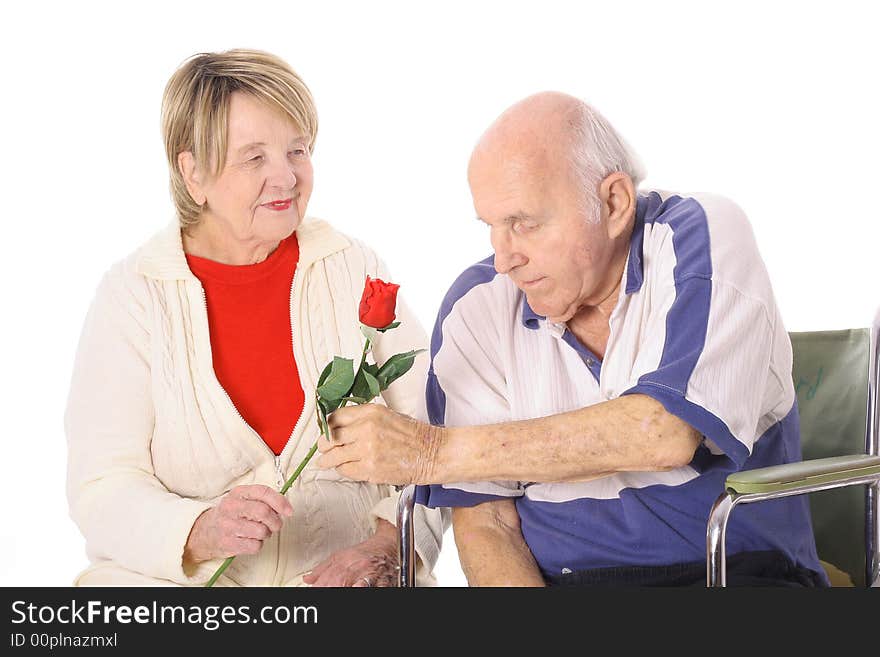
<point x="193" y="550"/>
<point x="386" y="535"/>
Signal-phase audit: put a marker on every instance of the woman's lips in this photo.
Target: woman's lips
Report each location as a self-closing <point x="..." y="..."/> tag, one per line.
<point x="278" y="206"/>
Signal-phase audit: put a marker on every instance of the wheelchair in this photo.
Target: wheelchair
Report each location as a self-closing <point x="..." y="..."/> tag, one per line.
<point x="836" y="382"/>
<point x="835" y="375"/>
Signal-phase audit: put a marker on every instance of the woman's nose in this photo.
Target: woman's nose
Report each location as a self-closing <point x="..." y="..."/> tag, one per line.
<point x="282" y="176"/>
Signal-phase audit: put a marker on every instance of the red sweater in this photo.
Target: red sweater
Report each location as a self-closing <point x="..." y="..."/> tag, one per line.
<point x="251" y="339"/>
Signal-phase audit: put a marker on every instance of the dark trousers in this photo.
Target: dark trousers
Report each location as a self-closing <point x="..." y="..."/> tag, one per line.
<point x="743" y="569"/>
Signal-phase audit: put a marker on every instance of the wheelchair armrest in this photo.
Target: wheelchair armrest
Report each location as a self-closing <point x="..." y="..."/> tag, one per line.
<point x="836" y="470"/>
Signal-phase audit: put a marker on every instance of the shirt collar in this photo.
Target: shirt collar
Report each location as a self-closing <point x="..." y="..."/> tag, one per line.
<point x="634" y="270"/>
<point x="530" y="319"/>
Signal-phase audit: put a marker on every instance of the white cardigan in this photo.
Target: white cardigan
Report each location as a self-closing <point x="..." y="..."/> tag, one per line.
<point x="154" y="440"/>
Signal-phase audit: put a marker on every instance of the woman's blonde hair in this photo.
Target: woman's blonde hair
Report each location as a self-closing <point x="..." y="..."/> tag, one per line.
<point x="195" y="106"/>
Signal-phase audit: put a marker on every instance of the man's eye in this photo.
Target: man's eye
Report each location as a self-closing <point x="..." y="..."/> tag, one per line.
<point x="524" y="226"/>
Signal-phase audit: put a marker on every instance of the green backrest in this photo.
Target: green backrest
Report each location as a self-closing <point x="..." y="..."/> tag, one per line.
<point x="830" y="373"/>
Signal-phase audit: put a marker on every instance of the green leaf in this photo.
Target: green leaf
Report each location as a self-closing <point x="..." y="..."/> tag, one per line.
<point x="339" y="381"/>
<point x="322" y="422"/>
<point x="327" y="406"/>
<point x="356" y="400"/>
<point x="369" y="333"/>
<point x="373" y="382"/>
<point x="389" y="327"/>
<point x="324" y="374"/>
<point x="395" y="367"/>
<point x="366" y="386"/>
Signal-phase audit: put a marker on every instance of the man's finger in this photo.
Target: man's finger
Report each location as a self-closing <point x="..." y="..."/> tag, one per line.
<point x="344" y="416"/>
<point x="351" y="470"/>
<point x="339" y="436"/>
<point x="325" y="444"/>
<point x="264" y="494"/>
<point x="336" y="457"/>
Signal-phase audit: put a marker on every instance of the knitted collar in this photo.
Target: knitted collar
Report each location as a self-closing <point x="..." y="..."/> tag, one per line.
<point x="162" y="256"/>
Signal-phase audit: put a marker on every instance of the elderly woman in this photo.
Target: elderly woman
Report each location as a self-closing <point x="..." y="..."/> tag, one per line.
<point x="192" y="397"/>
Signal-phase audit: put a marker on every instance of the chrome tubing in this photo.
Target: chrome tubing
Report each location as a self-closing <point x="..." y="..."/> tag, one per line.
<point x="716" y="565"/>
<point x="405" y="508"/>
<point x="872" y="447"/>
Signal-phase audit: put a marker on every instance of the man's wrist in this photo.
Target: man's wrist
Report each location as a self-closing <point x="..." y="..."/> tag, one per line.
<point x="428" y="469"/>
<point x="452" y="455"/>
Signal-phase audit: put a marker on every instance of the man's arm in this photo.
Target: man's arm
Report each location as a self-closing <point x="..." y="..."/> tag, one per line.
<point x="631" y="433"/>
<point x="491" y="546"/>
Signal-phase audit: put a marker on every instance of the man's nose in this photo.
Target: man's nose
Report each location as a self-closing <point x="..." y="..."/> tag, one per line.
<point x="507" y="256"/>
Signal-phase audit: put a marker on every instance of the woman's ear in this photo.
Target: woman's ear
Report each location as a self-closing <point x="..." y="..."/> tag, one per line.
<point x="617" y="197"/>
<point x="186" y="164"/>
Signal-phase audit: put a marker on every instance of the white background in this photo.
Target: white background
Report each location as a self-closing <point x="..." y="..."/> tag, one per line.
<point x="773" y="104"/>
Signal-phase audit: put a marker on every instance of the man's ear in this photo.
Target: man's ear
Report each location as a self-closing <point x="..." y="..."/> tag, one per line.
<point x="617" y="198"/>
<point x="186" y="164"/>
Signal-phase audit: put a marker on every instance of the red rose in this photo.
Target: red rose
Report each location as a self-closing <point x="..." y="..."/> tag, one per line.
<point x="378" y="303"/>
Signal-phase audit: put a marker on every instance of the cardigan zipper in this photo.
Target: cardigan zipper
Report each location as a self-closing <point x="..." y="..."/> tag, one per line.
<point x="278" y="471"/>
<point x="302" y="415"/>
<point x="279" y="475"/>
<point x="238" y="413"/>
<point x="280" y="478"/>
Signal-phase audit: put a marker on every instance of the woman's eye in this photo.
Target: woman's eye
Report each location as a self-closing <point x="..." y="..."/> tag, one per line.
<point x="299" y="152"/>
<point x="256" y="159"/>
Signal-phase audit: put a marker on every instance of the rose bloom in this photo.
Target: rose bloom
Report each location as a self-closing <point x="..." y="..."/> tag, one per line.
<point x="378" y="303"/>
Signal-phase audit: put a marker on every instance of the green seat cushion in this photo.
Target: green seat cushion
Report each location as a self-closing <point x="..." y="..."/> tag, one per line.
<point x="830" y="374"/>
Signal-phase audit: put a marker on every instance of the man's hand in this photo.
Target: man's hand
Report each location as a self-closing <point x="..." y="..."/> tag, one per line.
<point x="243" y="519"/>
<point x="371" y="563"/>
<point x="373" y="443"/>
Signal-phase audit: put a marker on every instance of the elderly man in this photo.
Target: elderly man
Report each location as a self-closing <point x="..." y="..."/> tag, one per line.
<point x="594" y="382"/>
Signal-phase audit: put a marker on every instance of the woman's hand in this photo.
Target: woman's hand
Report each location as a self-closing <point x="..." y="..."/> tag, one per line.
<point x="371" y="563"/>
<point x="243" y="519"/>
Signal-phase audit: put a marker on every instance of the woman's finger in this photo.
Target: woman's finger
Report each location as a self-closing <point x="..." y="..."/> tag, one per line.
<point x="258" y="512"/>
<point x="250" y="529"/>
<point x="233" y="545"/>
<point x="260" y="493"/>
<point x="312" y="576"/>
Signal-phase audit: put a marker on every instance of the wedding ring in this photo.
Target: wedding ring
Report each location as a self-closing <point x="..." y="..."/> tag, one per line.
<point x="367" y="581"/>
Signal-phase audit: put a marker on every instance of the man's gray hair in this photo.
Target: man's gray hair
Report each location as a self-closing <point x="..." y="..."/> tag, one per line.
<point x="597" y="151"/>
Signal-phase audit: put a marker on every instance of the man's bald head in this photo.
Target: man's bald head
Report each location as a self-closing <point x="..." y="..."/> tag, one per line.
<point x="555" y="134"/>
<point x="540" y="125"/>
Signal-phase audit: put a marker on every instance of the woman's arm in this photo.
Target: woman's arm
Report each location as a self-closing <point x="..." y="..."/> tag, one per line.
<point x="122" y="509"/>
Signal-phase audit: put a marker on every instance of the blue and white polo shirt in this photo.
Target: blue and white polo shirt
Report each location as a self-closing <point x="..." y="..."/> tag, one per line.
<point x="697" y="328"/>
